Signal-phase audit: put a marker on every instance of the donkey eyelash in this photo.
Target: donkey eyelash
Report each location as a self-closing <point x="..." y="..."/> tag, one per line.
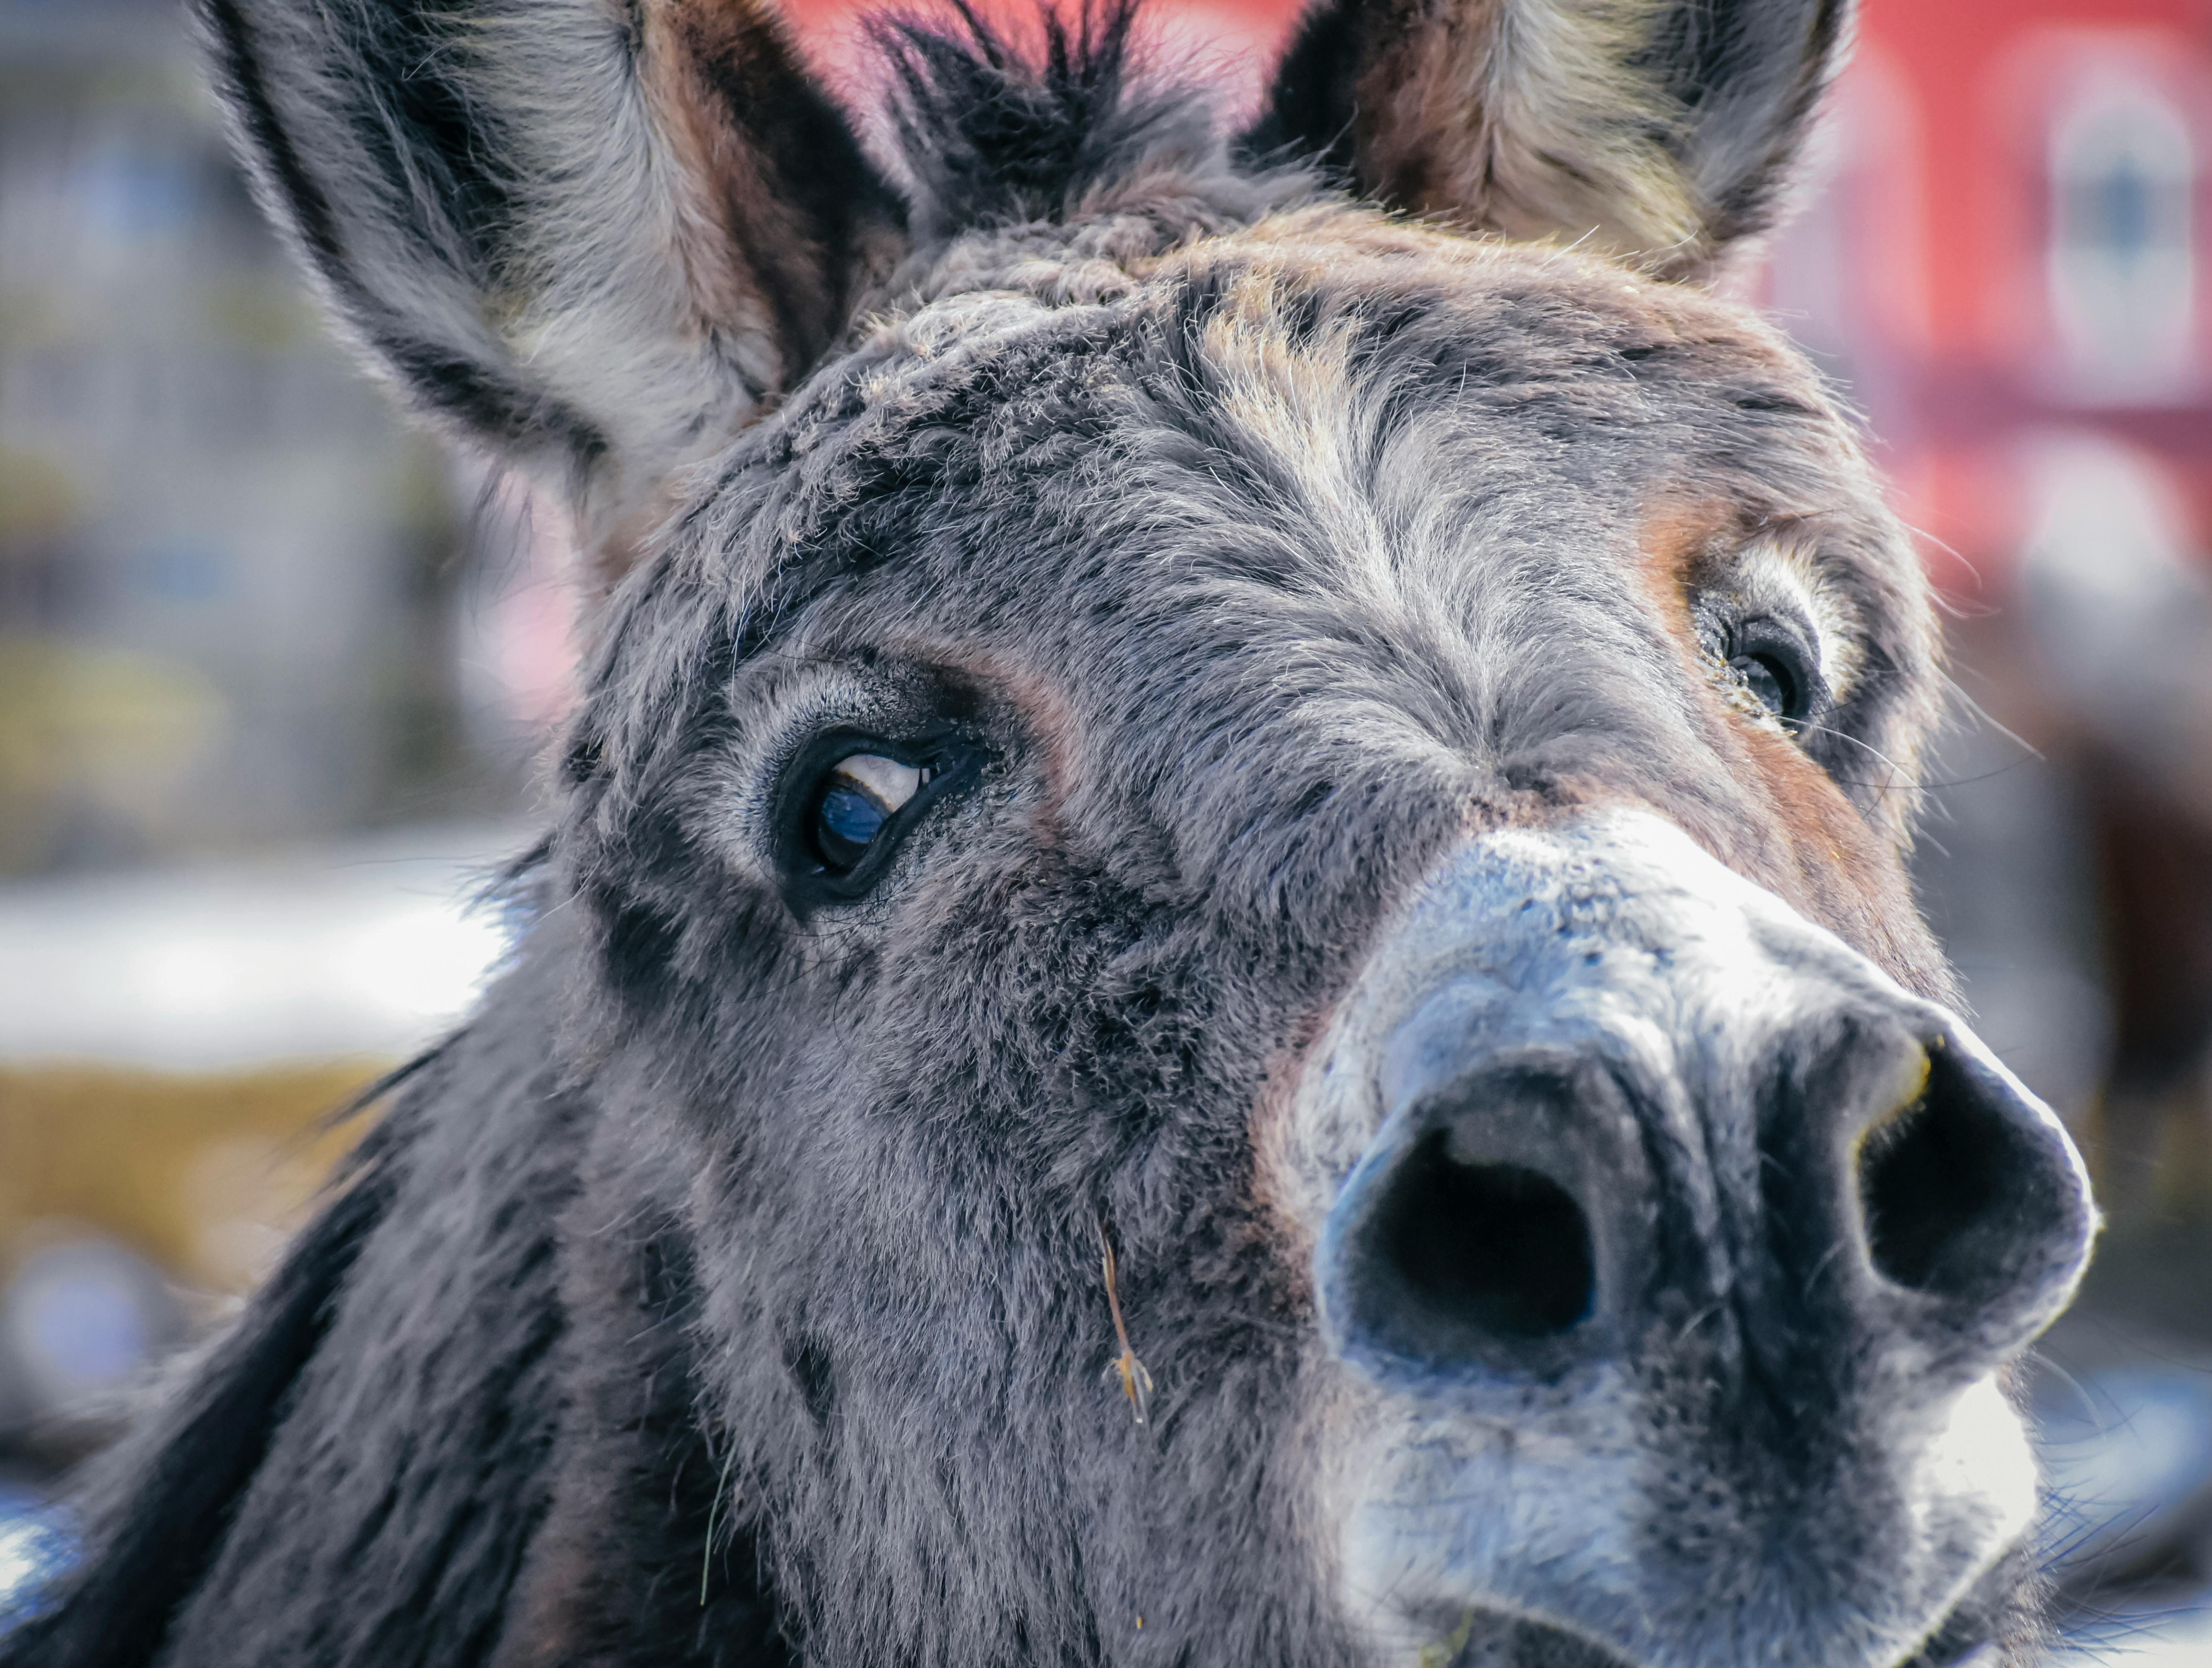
<point x="1782" y="646"/>
<point x="1780" y="576"/>
<point x="1766" y="664"/>
<point x="1770" y="663"/>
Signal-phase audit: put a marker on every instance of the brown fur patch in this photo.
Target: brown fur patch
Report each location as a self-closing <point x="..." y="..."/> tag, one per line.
<point x="1817" y="852"/>
<point x="1673" y="544"/>
<point x="1838" y="872"/>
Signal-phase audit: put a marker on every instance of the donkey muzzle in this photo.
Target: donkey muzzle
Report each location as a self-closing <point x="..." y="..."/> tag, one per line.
<point x="1674" y="1249"/>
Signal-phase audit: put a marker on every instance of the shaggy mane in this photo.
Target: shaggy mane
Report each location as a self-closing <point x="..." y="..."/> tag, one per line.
<point x="992" y="133"/>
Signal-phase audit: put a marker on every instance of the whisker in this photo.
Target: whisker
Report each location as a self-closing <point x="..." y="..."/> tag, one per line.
<point x="1983" y="715"/>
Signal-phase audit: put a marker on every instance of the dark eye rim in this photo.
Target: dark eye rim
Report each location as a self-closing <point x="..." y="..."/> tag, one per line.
<point x="954" y="761"/>
<point x="1781" y="643"/>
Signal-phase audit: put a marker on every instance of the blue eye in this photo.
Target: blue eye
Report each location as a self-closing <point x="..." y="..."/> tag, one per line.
<point x="849" y="819"/>
<point x="859" y="795"/>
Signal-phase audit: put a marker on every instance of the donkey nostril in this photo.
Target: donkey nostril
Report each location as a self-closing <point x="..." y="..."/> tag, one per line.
<point x="1947" y="1185"/>
<point x="1487" y="1248"/>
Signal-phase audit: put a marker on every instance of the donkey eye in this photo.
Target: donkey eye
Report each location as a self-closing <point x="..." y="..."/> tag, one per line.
<point x="1767" y="657"/>
<point x="848" y="800"/>
<point x="859" y="796"/>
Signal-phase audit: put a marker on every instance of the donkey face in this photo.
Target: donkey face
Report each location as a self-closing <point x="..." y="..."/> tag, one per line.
<point x="1229" y="780"/>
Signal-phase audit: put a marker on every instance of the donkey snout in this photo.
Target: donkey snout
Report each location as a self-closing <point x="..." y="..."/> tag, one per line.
<point x="1514" y="1219"/>
<point x="1667" y="1228"/>
<point x="1612" y="1081"/>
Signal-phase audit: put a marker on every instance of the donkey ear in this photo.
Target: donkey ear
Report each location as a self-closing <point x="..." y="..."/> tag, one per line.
<point x="593" y="235"/>
<point x="1664" y="130"/>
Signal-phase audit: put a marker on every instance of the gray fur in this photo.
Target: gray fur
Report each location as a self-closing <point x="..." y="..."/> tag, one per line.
<point x="729" y="1290"/>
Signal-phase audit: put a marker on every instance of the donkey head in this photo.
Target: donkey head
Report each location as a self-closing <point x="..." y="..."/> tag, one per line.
<point x="1237" y="827"/>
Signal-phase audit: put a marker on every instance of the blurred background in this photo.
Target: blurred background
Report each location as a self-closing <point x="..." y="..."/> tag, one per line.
<point x="274" y="672"/>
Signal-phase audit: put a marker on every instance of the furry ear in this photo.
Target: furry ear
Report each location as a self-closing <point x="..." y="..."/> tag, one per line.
<point x="592" y="235"/>
<point x="1664" y="130"/>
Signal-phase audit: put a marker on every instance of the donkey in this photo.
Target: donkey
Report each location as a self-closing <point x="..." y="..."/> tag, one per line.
<point x="1222" y="974"/>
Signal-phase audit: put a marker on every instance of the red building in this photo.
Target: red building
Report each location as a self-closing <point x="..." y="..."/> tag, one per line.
<point x="2007" y="252"/>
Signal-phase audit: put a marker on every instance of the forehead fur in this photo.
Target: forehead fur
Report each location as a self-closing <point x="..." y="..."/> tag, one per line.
<point x="1319" y="337"/>
<point x="1406" y="478"/>
<point x="1085" y="232"/>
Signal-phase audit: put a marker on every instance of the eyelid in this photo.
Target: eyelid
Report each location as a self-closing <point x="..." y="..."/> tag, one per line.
<point x="1769" y="625"/>
<point x="1777" y="632"/>
<point x="1780" y="576"/>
